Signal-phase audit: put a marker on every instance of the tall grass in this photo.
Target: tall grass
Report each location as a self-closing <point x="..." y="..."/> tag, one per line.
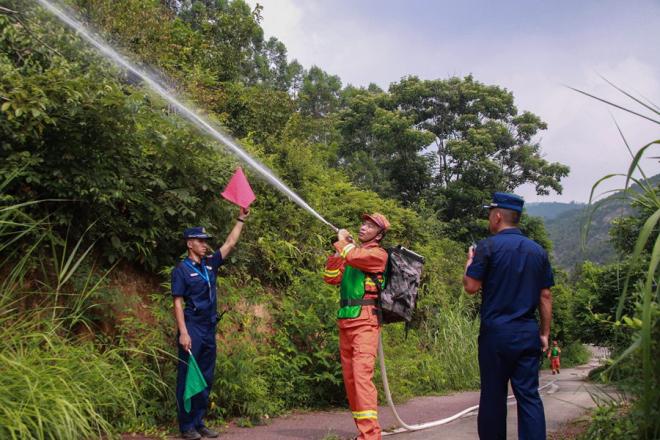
<point x="52" y="389"/>
<point x="16" y="227"/>
<point x="648" y="198"/>
<point x="55" y="383"/>
<point x="57" y="388"/>
<point x="438" y="358"/>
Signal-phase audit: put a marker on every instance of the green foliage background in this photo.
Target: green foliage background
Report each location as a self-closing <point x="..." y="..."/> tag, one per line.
<point x="118" y="175"/>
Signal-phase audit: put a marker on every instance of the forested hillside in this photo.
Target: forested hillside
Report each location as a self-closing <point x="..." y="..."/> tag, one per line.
<point x="99" y="177"/>
<point x="566" y="234"/>
<point x="565" y="223"/>
<point x="551" y="210"/>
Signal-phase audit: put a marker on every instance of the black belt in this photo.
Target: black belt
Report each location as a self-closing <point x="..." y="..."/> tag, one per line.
<point x="358" y="302"/>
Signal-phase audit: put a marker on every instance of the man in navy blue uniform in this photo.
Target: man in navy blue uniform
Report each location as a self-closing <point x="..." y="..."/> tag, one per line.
<point x="515" y="277"/>
<point x="195" y="310"/>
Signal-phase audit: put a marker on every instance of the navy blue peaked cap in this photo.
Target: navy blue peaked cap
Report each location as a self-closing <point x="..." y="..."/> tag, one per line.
<point x="507" y="201"/>
<point x="195" y="232"/>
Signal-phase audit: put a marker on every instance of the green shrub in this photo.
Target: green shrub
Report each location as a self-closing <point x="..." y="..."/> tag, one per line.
<point x="612" y="422"/>
<point x="53" y="388"/>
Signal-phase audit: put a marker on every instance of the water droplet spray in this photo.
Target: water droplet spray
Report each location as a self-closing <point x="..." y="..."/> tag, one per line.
<point x="191" y="115"/>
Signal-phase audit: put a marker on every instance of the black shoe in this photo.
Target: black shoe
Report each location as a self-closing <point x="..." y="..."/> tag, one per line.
<point x="206" y="432"/>
<point x="191" y="435"/>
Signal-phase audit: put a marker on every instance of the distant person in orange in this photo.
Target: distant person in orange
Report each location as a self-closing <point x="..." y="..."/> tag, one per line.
<point x="357" y="269"/>
<point x="554" y="355"/>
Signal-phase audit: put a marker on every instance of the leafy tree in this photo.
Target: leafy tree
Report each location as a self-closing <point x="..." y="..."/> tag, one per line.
<point x="234" y="45"/>
<point x="258" y="111"/>
<point x="275" y="69"/>
<point x="380" y="147"/>
<point x="237" y="38"/>
<point x="483" y="144"/>
<point x="295" y="73"/>
<point x="319" y="93"/>
<point x="449" y="143"/>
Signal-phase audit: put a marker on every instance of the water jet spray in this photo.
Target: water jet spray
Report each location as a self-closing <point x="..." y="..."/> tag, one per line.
<point x="200" y="122"/>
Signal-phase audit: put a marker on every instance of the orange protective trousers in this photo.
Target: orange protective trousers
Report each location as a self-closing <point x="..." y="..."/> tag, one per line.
<point x="357" y="348"/>
<point x="555" y="363"/>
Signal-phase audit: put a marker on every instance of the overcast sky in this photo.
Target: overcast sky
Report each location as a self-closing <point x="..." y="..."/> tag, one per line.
<point x="530" y="47"/>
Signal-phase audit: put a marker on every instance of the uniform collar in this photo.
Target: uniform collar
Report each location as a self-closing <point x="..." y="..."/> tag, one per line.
<point x="201" y="260"/>
<point x="370" y="244"/>
<point x="510" y="231"/>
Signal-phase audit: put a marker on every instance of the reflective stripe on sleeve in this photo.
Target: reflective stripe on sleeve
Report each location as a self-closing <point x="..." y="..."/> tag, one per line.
<point x="331" y="273"/>
<point x="368" y="282"/>
<point x="349" y="247"/>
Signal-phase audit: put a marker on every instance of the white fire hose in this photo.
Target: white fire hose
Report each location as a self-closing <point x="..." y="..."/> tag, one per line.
<point x="404" y="426"/>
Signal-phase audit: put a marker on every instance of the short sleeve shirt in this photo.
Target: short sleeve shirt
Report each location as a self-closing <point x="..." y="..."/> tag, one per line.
<point x="196" y="283"/>
<point x="513" y="270"/>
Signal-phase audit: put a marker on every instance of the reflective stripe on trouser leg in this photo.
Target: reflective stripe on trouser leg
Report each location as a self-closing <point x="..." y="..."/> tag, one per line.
<point x="359" y="415"/>
<point x="358" y="348"/>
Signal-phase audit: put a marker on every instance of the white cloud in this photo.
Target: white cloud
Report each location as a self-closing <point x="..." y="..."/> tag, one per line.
<point x="582" y="132"/>
<point x="282" y="19"/>
<point x="535" y="67"/>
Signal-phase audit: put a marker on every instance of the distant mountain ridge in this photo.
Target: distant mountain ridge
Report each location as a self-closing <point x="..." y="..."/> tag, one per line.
<point x="551" y="210"/>
<point x="564" y="221"/>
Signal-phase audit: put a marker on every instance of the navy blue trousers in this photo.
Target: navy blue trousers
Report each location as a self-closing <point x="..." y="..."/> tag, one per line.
<point x="514" y="357"/>
<point x="204" y="350"/>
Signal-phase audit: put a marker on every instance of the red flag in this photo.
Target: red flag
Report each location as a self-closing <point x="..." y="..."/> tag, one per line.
<point x="238" y="190"/>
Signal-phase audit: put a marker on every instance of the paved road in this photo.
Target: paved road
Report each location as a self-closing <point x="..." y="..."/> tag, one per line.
<point x="566" y="399"/>
<point x="569" y="397"/>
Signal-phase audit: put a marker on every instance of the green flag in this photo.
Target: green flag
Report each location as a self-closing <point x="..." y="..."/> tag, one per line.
<point x="195" y="382"/>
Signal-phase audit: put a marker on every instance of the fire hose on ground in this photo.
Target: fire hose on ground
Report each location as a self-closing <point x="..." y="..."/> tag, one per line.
<point x="406" y="427"/>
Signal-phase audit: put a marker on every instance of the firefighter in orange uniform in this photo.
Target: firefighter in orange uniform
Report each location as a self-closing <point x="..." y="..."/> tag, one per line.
<point x="356" y="268"/>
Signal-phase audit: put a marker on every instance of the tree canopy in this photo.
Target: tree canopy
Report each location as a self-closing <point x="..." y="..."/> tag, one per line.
<point x="455" y="142"/>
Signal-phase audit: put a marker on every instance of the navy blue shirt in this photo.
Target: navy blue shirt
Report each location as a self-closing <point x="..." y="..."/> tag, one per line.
<point x="196" y="283"/>
<point x="513" y="269"/>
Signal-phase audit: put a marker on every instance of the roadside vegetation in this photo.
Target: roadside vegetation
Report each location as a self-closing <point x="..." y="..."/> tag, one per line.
<point x="99" y="178"/>
<point x="621" y="299"/>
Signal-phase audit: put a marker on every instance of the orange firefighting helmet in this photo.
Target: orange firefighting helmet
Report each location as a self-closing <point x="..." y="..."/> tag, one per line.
<point x="379" y="219"/>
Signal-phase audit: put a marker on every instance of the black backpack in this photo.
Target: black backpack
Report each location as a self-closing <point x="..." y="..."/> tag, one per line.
<point x="398" y="296"/>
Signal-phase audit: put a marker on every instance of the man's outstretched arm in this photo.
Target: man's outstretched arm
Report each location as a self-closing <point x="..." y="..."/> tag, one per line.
<point x="234" y="235"/>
